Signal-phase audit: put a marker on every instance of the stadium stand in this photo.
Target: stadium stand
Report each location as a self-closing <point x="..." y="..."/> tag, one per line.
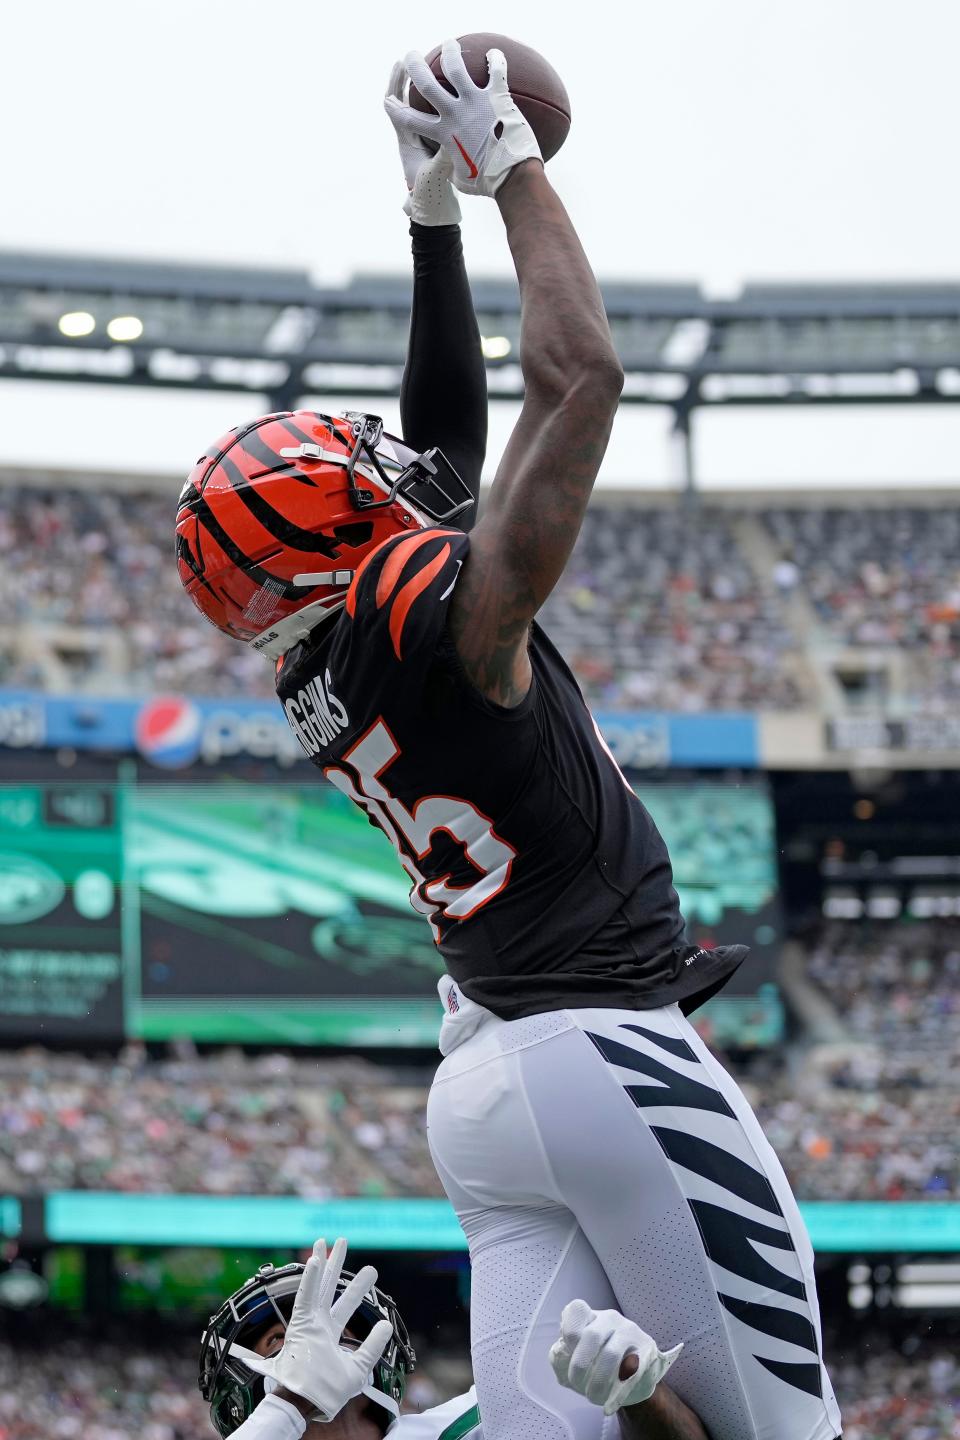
<point x="91" y="602"/>
<point x="876" y="576"/>
<point x="662" y="607"/>
<point x="84" y="1391"/>
<point x="884" y="1120"/>
<point x="276" y="1125"/>
<point x="659" y="608"/>
<point x="220" y="1125"/>
<point x="897" y="987"/>
<point x="115" y="1389"/>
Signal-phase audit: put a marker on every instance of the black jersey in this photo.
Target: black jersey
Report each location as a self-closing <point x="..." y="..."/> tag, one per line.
<point x="544" y="879"/>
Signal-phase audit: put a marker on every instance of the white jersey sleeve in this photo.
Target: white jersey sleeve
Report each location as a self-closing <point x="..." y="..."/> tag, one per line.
<point x="272" y="1419"/>
<point x="456" y="1419"/>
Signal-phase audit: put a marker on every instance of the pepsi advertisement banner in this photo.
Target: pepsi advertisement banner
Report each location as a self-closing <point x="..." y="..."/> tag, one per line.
<point x="173" y="732"/>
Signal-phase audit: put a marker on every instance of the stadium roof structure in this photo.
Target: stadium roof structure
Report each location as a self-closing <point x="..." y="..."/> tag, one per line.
<point x="276" y="333"/>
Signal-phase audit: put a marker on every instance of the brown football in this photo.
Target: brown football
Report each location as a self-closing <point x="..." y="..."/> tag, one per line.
<point x="534" y="84"/>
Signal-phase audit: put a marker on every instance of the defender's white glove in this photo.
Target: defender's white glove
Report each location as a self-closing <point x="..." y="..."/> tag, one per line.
<point x="591" y="1349"/>
<point x="431" y="198"/>
<point x="467" y="124"/>
<point x="312" y="1362"/>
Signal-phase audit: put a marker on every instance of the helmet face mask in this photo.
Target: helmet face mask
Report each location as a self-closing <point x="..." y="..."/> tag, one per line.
<point x="275" y="519"/>
<point x="232" y="1390"/>
<point x="428" y="481"/>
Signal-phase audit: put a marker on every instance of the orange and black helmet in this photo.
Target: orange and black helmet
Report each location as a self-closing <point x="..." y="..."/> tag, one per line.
<point x="275" y="518"/>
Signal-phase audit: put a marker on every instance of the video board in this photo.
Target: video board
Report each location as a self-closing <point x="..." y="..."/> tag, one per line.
<point x="62" y="948"/>
<point x="272" y="911"/>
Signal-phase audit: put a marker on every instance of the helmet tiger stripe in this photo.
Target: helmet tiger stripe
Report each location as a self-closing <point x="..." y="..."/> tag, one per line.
<point x="269" y="530"/>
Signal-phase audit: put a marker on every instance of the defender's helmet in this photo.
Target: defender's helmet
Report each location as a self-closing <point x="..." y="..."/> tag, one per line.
<point x="276" y="517"/>
<point x="232" y="1389"/>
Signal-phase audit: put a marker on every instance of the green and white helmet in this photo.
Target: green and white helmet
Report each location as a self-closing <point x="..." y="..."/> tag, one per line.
<point x="233" y="1390"/>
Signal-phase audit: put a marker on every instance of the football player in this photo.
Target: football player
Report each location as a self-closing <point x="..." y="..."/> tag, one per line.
<point x="309" y="1345"/>
<point x="590" y="1143"/>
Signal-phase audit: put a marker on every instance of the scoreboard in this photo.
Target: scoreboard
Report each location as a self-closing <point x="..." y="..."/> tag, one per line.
<point x="61" y="912"/>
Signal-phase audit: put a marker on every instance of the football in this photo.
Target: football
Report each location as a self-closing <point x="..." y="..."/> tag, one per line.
<point x="534" y="84"/>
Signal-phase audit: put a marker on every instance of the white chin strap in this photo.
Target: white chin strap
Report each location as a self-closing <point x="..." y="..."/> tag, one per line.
<point x="277" y="639"/>
<point x="386" y="1401"/>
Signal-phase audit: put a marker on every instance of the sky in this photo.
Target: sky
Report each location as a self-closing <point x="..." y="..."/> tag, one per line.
<point x="754" y="140"/>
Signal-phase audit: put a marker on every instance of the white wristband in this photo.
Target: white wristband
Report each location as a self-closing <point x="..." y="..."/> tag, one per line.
<point x="273" y="1419"/>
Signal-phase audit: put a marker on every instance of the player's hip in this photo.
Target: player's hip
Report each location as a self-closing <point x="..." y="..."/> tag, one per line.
<point x="627" y="1123"/>
<point x="643" y="1077"/>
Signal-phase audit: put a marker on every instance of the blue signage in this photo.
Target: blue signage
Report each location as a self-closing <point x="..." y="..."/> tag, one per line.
<point x="173" y="732"/>
<point x="90" y="1217"/>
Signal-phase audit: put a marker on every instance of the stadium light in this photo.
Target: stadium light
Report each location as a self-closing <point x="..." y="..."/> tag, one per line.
<point x="495" y="347"/>
<point x="123" y="328"/>
<point x="76" y="323"/>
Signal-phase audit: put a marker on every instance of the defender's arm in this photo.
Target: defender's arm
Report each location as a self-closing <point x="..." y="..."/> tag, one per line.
<point x="663" y="1417"/>
<point x="612" y="1362"/>
<point x="573" y="380"/>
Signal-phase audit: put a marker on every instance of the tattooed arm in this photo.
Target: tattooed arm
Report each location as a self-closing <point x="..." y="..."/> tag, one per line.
<point x="572" y="380"/>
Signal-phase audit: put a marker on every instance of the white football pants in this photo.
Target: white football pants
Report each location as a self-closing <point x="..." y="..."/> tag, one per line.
<point x="606" y="1155"/>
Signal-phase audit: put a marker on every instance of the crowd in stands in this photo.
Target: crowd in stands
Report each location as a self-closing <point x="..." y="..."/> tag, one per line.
<point x="877" y="1118"/>
<point x="90" y="600"/>
<point x="896" y="986"/>
<point x="80" y="1390"/>
<point x="891" y="1392"/>
<point x="223" y="1125"/>
<point x="656" y="610"/>
<point x="663" y="606"/>
<point x="659" y="609"/>
<point x="881" y="578"/>
<point x="659" y="612"/>
<point x="874" y="1121"/>
<point x="89" y="1390"/>
<point x="837" y="1144"/>
<point x="73" y="1389"/>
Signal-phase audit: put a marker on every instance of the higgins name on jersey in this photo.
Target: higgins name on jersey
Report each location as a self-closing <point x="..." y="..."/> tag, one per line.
<point x="315" y="715"/>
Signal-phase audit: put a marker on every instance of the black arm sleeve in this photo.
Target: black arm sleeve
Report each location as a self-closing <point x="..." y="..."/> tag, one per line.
<point x="443" y="396"/>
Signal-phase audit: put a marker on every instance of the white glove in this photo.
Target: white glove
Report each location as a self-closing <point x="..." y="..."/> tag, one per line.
<point x="466" y="124"/>
<point x="431" y="198"/>
<point x="312" y="1362"/>
<point x="591" y="1349"/>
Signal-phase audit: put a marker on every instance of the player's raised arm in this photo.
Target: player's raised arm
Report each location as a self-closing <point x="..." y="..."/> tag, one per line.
<point x="572" y="383"/>
<point x="572" y="378"/>
<point x="443" y="395"/>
